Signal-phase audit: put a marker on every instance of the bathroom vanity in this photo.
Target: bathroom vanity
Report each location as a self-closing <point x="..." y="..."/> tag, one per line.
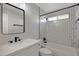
<point x="27" y="47"/>
<point x="13" y="26"/>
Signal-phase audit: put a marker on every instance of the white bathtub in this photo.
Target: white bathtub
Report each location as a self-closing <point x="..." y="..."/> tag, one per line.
<point x="61" y="50"/>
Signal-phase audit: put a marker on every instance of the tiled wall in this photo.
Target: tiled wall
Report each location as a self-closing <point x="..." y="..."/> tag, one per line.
<point x="31" y="24"/>
<point x="76" y="28"/>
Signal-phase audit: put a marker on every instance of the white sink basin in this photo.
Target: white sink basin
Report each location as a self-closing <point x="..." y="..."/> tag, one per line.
<point x="10" y="48"/>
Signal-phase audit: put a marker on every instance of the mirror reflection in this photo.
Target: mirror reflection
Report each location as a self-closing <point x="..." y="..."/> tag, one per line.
<point x="12" y="19"/>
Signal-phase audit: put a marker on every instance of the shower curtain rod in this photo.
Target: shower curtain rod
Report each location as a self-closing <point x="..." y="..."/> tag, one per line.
<point x="60" y="9"/>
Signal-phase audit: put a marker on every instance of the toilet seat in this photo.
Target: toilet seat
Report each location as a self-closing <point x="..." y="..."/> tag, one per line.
<point x="45" y="52"/>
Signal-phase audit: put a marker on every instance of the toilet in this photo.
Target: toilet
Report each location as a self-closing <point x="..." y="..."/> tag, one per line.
<point x="45" y="52"/>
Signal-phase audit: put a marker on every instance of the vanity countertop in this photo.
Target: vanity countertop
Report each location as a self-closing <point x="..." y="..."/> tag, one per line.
<point x="12" y="47"/>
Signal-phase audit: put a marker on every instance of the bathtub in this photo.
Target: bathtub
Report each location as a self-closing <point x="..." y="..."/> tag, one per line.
<point x="61" y="50"/>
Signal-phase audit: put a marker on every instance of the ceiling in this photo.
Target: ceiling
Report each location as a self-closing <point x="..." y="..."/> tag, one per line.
<point x="48" y="7"/>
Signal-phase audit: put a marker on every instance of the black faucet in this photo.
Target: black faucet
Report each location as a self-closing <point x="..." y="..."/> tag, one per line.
<point x="17" y="39"/>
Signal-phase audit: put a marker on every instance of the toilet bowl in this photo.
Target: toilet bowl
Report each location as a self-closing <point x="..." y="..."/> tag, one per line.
<point x="46" y="52"/>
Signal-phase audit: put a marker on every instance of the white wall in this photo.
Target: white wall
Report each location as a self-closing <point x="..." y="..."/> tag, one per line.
<point x="31" y="24"/>
<point x="42" y="29"/>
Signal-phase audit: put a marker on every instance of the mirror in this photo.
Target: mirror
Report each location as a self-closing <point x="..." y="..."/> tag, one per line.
<point x="13" y="19"/>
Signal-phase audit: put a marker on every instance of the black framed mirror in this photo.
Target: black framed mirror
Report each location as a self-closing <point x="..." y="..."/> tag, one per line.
<point x="13" y="19"/>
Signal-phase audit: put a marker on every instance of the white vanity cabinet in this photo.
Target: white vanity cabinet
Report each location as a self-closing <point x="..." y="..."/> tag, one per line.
<point x="30" y="51"/>
<point x="27" y="47"/>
